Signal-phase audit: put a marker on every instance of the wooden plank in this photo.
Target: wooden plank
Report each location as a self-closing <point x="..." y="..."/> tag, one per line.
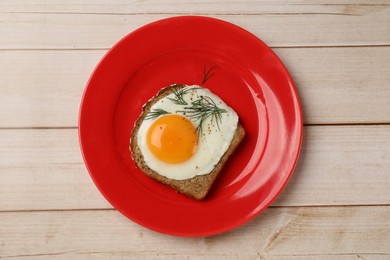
<point x="43" y="169"/>
<point x="189" y="256"/>
<point x="356" y="25"/>
<point x="280" y="233"/>
<point x="342" y="165"/>
<point x="341" y="85"/>
<point x="180" y="7"/>
<point x="44" y="88"/>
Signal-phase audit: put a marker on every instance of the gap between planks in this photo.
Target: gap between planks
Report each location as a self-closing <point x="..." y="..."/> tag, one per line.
<point x="271" y="46"/>
<point x="39" y="128"/>
<point x="76" y="127"/>
<point x="233" y="13"/>
<point x="185" y="13"/>
<point x="269" y="207"/>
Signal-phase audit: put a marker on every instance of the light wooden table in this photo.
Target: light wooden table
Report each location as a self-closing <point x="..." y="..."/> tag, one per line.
<point x="337" y="204"/>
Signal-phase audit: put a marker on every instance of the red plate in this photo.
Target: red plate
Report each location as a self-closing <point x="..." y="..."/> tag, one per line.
<point x="247" y="75"/>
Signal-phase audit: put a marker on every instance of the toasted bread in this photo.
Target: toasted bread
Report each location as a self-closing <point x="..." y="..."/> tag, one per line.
<point x="196" y="187"/>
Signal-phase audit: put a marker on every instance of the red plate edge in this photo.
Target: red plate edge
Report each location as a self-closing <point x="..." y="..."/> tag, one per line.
<point x="243" y="220"/>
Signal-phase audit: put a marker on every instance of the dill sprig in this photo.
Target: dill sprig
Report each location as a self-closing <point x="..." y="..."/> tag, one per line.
<point x="155" y="113"/>
<point x="201" y="109"/>
<point x="207" y="74"/>
<point x="198" y="111"/>
<point x="179" y="96"/>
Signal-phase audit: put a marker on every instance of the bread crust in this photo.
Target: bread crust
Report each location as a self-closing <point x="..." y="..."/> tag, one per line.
<point x="196" y="187"/>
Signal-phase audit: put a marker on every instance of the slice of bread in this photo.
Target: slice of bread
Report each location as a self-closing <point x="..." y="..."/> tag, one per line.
<point x="196" y="187"/>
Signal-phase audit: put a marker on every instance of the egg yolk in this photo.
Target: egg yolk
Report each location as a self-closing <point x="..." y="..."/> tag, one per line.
<point x="172" y="138"/>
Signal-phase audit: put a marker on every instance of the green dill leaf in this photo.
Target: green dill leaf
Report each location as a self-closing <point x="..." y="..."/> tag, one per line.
<point x="207" y="74"/>
<point x="155" y="113"/>
<point x="201" y="109"/>
<point x="179" y="97"/>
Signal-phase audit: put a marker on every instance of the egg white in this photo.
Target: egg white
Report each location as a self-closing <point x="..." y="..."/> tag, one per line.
<point x="212" y="145"/>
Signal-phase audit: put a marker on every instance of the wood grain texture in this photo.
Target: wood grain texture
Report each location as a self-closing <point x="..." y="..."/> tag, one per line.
<point x="234" y="7"/>
<point x="43" y="88"/>
<point x="355" y="25"/>
<point x="277" y="233"/>
<point x="337" y="204"/>
<point x="330" y="82"/>
<point x="341" y="85"/>
<point x="43" y="170"/>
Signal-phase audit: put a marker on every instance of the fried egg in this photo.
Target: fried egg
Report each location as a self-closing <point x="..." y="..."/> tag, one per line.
<point x="186" y="133"/>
